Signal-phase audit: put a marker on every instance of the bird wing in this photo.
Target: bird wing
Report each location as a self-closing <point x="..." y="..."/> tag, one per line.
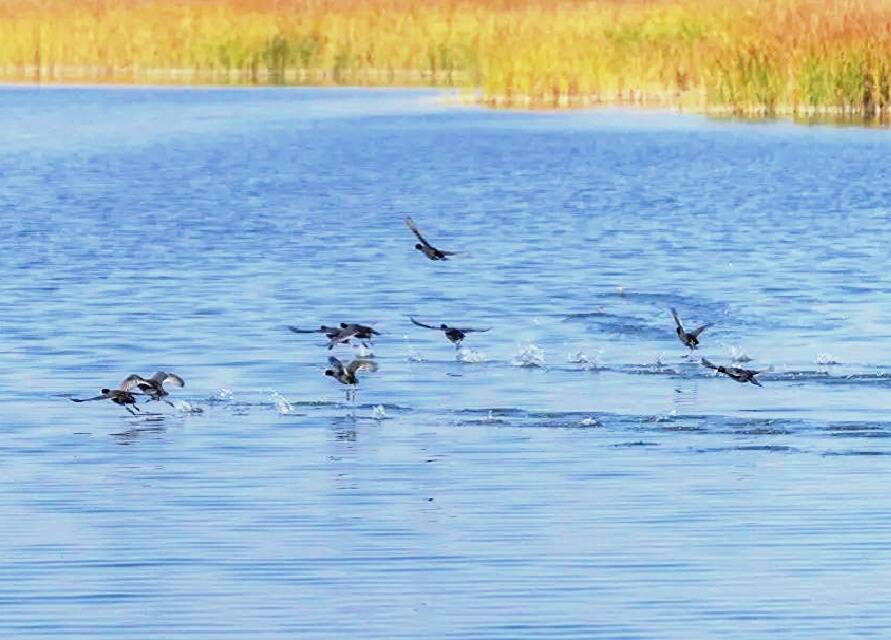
<point x="132" y="381"/>
<point x="421" y="324"/>
<point x="469" y="330"/>
<point x="294" y="329"/>
<point x="708" y="364"/>
<point x="343" y="335"/>
<point x="87" y="399"/>
<point x="677" y="320"/>
<point x="336" y="365"/>
<point x="414" y="228"/>
<point x="162" y="377"/>
<point x="699" y="330"/>
<point x="361" y="364"/>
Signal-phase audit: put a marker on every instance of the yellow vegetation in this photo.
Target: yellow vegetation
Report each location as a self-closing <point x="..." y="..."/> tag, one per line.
<point x="746" y="56"/>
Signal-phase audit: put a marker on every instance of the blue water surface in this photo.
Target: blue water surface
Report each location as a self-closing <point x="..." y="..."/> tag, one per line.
<point x="573" y="473"/>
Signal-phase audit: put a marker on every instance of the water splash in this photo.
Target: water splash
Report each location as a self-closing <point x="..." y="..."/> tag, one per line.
<point x="530" y="356"/>
<point x="222" y="395"/>
<point x="363" y="352"/>
<point x="379" y="413"/>
<point x="588" y="362"/>
<point x="738" y="355"/>
<point x="283" y="407"/>
<point x="825" y="359"/>
<point x="468" y="355"/>
<point x="186" y="407"/>
<point x="591" y="421"/>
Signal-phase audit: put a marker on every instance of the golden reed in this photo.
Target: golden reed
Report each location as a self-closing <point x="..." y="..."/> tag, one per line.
<point x="740" y="56"/>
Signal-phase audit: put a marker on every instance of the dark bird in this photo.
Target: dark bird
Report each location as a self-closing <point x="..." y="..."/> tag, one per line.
<point x="425" y="247"/>
<point x="454" y="334"/>
<point x="348" y="331"/>
<point x="329" y="332"/>
<point x="738" y="374"/>
<point x="347" y="374"/>
<point x="690" y="339"/>
<point x="153" y="387"/>
<point x="118" y="396"/>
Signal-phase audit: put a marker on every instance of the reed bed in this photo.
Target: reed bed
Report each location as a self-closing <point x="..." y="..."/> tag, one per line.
<point x="739" y="56"/>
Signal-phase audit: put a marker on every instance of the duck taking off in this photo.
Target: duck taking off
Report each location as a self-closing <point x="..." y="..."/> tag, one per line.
<point x="348" y="374"/>
<point x="690" y="339"/>
<point x="453" y="334"/>
<point x="118" y="396"/>
<point x="348" y="331"/>
<point x="738" y="374"/>
<point x="425" y="247"/>
<point x="153" y="387"/>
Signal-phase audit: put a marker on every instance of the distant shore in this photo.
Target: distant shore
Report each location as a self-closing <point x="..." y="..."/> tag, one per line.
<point x="752" y="58"/>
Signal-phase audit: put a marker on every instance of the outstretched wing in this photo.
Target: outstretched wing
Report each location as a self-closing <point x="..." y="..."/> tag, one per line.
<point x="361" y="364"/>
<point x="132" y="381"/>
<point x="421" y="324"/>
<point x="172" y="378"/>
<point x="414" y="228"/>
<point x="699" y="330"/>
<point x="677" y="320"/>
<point x="342" y="336"/>
<point x="336" y="365"/>
<point x="469" y="330"/>
<point x="709" y="365"/>
<point x="294" y="329"/>
<point x="87" y="399"/>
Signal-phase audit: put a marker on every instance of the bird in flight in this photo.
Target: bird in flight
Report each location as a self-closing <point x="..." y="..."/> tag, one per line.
<point x="351" y="330"/>
<point x="347" y="374"/>
<point x="455" y="335"/>
<point x="153" y="387"/>
<point x="118" y="396"/>
<point x="425" y="247"/>
<point x="690" y="339"/>
<point x="737" y="373"/>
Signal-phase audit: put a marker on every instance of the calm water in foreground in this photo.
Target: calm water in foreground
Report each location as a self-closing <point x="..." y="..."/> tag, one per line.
<point x="570" y="474"/>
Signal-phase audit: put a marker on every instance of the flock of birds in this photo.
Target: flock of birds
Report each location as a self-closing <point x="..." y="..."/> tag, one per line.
<point x="353" y="332"/>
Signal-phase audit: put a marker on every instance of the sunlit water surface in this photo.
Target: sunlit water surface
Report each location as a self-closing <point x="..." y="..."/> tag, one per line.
<point x="570" y="474"/>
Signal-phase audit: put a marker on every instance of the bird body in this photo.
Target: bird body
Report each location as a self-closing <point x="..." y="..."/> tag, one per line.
<point x="454" y="335"/>
<point x="347" y="374"/>
<point x="352" y="330"/>
<point x="425" y="247"/>
<point x="118" y="396"/>
<point x="691" y="338"/>
<point x="152" y="387"/>
<point x="737" y="373"/>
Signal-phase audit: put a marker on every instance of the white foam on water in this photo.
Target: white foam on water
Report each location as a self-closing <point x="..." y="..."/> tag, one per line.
<point x="378" y="412"/>
<point x="281" y="404"/>
<point x="470" y="356"/>
<point x="530" y="355"/>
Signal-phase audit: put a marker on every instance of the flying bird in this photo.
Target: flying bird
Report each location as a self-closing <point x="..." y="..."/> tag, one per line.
<point x="690" y="339"/>
<point x="348" y="331"/>
<point x="118" y="396"/>
<point x="425" y="247"/>
<point x="455" y="335"/>
<point x="153" y="387"/>
<point x="348" y="374"/>
<point x="737" y="373"/>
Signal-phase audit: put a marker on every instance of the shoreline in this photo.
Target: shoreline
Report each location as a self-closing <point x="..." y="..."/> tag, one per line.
<point x="634" y="100"/>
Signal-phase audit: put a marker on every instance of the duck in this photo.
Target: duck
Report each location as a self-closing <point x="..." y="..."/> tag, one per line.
<point x="454" y="335"/>
<point x="690" y="339"/>
<point x="348" y="331"/>
<point x="425" y="247"/>
<point x="153" y="387"/>
<point x="737" y="373"/>
<point x="118" y="396"/>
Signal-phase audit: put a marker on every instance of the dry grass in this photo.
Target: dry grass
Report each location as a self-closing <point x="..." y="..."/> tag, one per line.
<point x="745" y="56"/>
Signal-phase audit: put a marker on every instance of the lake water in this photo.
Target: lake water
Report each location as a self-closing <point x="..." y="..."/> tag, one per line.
<point x="570" y="474"/>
